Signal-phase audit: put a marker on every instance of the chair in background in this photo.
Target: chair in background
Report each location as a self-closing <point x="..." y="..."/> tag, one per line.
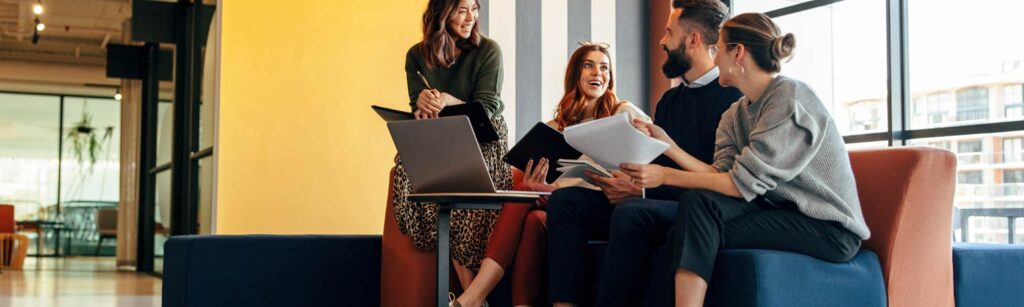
<point x="13" y="246"/>
<point x="106" y="226"/>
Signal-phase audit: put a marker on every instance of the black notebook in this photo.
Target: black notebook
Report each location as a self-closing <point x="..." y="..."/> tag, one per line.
<point x="541" y="141"/>
<point x="482" y="127"/>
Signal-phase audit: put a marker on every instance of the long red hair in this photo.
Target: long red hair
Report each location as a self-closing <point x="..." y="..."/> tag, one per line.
<point x="574" y="103"/>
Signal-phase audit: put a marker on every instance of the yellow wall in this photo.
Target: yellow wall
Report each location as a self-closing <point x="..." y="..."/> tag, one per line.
<point x="300" y="149"/>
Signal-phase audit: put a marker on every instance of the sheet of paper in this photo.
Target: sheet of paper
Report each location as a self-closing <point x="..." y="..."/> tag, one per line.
<point x="611" y="141"/>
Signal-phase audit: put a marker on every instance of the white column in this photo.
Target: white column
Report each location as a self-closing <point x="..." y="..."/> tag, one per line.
<point x="555" y="33"/>
<point x="502" y="23"/>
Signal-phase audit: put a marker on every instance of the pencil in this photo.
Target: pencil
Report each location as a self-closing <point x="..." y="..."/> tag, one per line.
<point x="424" y="80"/>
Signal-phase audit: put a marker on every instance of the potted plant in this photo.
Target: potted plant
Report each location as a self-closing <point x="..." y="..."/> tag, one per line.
<point x="85" y="141"/>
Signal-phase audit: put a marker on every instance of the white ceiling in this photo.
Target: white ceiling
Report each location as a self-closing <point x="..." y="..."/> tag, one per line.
<point x="77" y="31"/>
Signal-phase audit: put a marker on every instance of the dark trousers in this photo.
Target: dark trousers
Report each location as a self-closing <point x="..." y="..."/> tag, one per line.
<point x="638" y="228"/>
<point x="633" y="229"/>
<point x="708" y="221"/>
<point x="575" y="215"/>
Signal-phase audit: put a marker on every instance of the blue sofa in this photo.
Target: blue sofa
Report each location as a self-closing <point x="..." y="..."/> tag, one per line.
<point x="263" y="270"/>
<point x="988" y="274"/>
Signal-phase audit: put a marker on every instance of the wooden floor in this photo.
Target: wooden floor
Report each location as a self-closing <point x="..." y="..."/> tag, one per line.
<point x="79" y="282"/>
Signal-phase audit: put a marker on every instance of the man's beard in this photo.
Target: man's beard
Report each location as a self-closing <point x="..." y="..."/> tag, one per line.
<point x="677" y="63"/>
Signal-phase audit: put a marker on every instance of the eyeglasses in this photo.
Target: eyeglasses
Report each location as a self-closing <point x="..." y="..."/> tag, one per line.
<point x="588" y="44"/>
<point x="713" y="49"/>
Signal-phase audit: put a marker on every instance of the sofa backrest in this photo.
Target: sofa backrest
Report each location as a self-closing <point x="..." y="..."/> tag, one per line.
<point x="906" y="194"/>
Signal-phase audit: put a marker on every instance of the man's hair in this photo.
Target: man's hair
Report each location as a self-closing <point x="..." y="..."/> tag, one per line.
<point x="705" y="16"/>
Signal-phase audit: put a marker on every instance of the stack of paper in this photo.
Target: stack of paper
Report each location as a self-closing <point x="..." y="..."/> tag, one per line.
<point x="609" y="142"/>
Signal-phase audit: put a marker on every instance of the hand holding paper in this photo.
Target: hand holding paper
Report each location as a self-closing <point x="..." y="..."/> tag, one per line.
<point x="613" y="140"/>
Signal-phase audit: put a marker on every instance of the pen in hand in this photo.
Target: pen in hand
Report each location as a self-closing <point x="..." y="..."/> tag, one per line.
<point x="424" y="80"/>
<point x="427" y="84"/>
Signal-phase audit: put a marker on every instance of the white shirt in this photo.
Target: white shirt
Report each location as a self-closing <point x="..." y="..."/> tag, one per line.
<point x="709" y="76"/>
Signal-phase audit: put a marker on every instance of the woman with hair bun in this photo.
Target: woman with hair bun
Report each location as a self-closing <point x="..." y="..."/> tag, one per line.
<point x="781" y="177"/>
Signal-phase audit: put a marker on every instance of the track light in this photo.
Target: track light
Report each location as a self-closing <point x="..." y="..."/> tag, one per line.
<point x="39" y="28"/>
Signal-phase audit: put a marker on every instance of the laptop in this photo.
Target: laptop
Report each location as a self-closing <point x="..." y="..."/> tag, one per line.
<point x="442" y="155"/>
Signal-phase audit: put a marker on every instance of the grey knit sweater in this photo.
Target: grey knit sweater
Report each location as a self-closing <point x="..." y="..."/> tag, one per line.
<point x="785" y="145"/>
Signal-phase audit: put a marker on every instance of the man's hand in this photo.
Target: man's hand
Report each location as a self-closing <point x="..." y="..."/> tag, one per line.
<point x="617" y="189"/>
<point x="646" y="175"/>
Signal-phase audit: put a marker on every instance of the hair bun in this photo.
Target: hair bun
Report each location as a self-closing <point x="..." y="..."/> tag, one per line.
<point x="782" y="46"/>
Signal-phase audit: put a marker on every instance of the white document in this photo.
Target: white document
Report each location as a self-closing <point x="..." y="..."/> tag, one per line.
<point x="576" y="168"/>
<point x="613" y="140"/>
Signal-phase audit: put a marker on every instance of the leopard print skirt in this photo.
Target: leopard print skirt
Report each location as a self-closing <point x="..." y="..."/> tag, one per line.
<point x="470" y="229"/>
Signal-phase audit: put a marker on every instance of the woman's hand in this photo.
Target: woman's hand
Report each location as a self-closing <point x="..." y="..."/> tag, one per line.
<point x="419" y="114"/>
<point x="429" y="103"/>
<point x="536" y="173"/>
<point x="449" y="100"/>
<point x="652" y="130"/>
<point x="646" y="175"/>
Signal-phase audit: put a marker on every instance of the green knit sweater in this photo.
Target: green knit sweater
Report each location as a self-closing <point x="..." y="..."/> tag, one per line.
<point x="475" y="77"/>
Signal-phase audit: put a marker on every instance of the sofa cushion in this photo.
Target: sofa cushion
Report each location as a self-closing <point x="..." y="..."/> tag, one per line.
<point x="748" y="277"/>
<point x="262" y="270"/>
<point x="988" y="274"/>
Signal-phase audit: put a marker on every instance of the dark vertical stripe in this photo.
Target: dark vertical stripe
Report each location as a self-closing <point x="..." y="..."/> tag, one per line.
<point x="579" y="23"/>
<point x="528" y="65"/>
<point x="632" y="81"/>
<point x="484" y="17"/>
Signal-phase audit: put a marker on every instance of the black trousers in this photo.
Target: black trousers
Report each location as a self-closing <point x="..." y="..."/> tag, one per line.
<point x="709" y="221"/>
<point x="575" y="215"/>
<point x="638" y="228"/>
<point x="633" y="229"/>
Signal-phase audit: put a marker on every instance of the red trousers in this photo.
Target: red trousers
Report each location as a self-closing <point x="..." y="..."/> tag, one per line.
<point x="519" y="242"/>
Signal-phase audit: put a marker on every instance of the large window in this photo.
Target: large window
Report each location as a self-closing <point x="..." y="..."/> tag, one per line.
<point x="60" y="170"/>
<point x="29" y="147"/>
<point x="957" y="97"/>
<point x="841" y="55"/>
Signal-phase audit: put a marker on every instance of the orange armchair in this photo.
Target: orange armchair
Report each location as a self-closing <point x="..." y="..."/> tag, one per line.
<point x="907" y="198"/>
<point x="13" y="246"/>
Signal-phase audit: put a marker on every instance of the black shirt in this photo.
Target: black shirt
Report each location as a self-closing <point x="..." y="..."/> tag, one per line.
<point x="690" y="117"/>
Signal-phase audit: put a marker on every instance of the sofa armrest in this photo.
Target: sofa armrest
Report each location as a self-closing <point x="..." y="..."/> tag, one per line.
<point x="272" y="270"/>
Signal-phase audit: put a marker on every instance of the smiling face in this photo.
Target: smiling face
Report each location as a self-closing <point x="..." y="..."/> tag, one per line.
<point x="464" y="18"/>
<point x="595" y="74"/>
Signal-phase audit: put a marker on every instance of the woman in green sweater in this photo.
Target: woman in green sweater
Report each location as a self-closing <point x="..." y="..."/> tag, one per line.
<point x="458" y="65"/>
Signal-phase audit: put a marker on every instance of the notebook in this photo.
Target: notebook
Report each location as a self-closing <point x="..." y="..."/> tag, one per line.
<point x="482" y="127"/>
<point x="541" y="141"/>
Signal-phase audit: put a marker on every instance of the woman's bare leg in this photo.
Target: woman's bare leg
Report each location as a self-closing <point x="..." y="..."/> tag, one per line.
<point x="690" y="289"/>
<point x="488" y="277"/>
